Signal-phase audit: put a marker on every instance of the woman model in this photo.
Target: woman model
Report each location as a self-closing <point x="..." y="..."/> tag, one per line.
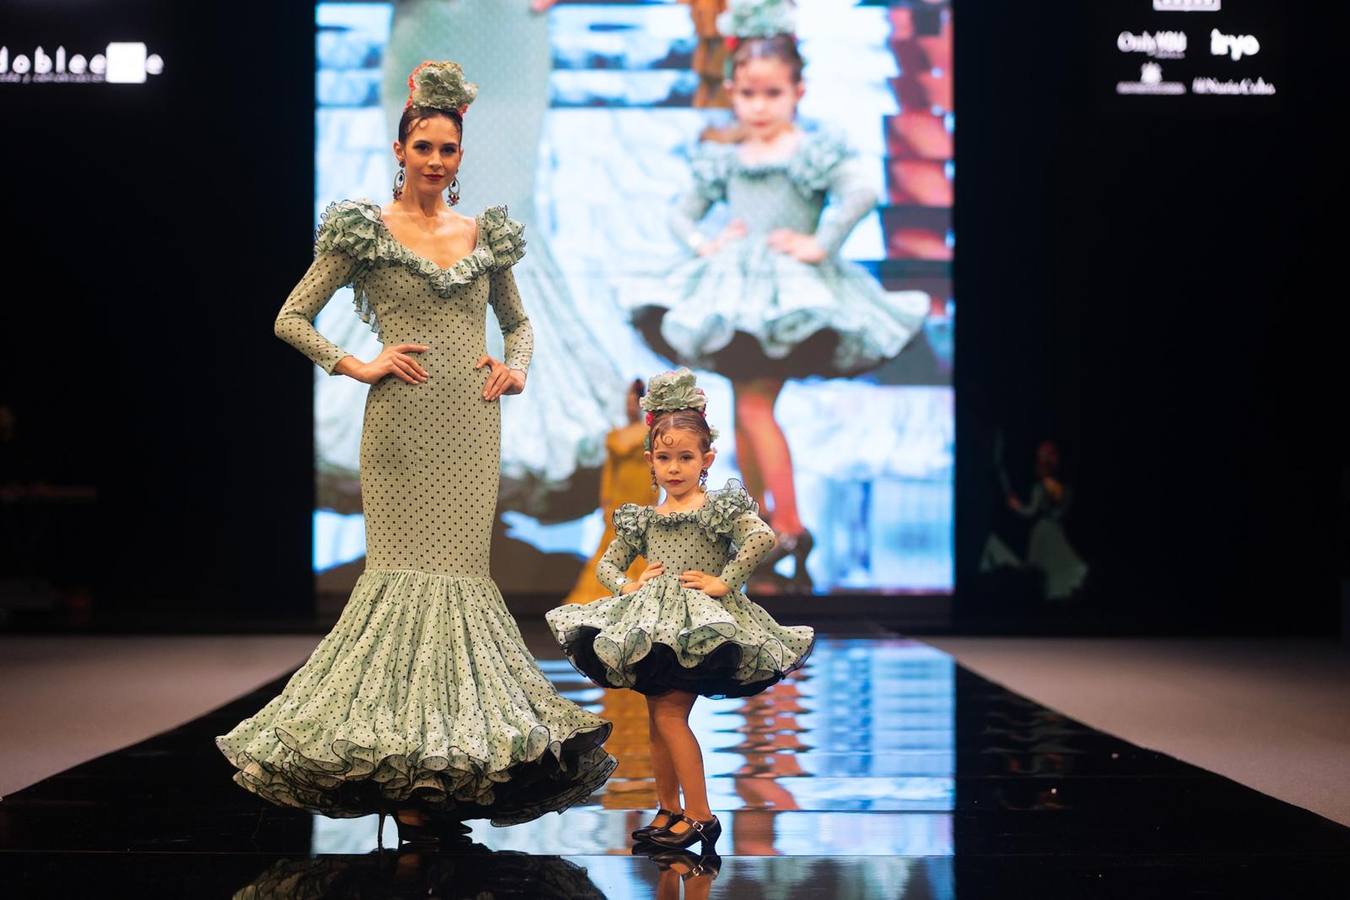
<point x="553" y="439"/>
<point x="422" y="700"/>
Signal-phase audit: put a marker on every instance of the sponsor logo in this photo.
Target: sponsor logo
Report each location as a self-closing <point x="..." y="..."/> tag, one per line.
<point x="1150" y="82"/>
<point x="1245" y="87"/>
<point x="121" y="62"/>
<point x="1234" y="45"/>
<point x="1187" y="5"/>
<point x="1159" y="45"/>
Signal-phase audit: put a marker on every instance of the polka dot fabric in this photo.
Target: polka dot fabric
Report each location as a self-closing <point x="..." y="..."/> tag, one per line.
<point x="664" y="636"/>
<point x="423" y="693"/>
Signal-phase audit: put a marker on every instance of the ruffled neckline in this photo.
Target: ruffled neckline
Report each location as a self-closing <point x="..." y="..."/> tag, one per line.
<point x="358" y="227"/>
<point x="718" y="514"/>
<point x="809" y="166"/>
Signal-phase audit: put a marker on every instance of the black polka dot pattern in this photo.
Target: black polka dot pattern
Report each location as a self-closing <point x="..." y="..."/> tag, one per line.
<point x="423" y="691"/>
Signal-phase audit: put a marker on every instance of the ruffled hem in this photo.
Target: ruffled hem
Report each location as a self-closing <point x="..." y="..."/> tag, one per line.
<point x="788" y="318"/>
<point x="356" y="228"/>
<point x="422" y="694"/>
<point x="473" y="871"/>
<point x="666" y="637"/>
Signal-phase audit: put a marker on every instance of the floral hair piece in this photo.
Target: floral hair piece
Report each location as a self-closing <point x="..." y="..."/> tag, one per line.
<point x="756" y="19"/>
<point x="671" y="391"/>
<point x="440" y="84"/>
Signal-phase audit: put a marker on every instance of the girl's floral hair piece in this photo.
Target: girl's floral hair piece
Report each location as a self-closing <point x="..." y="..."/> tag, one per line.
<point x="756" y="19"/>
<point x="671" y="391"/>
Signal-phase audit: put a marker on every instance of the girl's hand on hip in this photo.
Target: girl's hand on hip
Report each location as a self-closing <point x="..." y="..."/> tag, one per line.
<point x="653" y="570"/>
<point x="734" y="231"/>
<point x="501" y="380"/>
<point x="801" y="247"/>
<point x="702" y="581"/>
<point x="393" y="361"/>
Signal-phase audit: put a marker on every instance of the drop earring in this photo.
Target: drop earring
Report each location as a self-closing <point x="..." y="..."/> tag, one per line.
<point x="703" y="479"/>
<point x="399" y="179"/>
<point x="452" y="192"/>
<point x="655" y="486"/>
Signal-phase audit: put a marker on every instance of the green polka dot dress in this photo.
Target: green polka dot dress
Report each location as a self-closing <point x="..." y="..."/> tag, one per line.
<point x="664" y="636"/>
<point x="423" y="693"/>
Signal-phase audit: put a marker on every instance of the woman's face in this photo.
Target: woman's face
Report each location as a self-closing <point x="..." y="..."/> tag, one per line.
<point x="764" y="95"/>
<point x="677" y="460"/>
<point x="431" y="154"/>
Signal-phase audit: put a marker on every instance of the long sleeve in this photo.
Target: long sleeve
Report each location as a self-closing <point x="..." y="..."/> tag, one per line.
<point x="753" y="539"/>
<point x="685" y="217"/>
<point x="517" y="333"/>
<point x="851" y="197"/>
<point x="612" y="570"/>
<point x="295" y="323"/>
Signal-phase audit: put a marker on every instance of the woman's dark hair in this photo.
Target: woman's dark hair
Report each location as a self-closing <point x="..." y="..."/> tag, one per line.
<point x="682" y="420"/>
<point x="638" y="387"/>
<point x="413" y="114"/>
<point x="782" y="47"/>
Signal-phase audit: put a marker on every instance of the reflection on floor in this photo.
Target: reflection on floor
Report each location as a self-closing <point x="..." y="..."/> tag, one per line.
<point x="883" y="770"/>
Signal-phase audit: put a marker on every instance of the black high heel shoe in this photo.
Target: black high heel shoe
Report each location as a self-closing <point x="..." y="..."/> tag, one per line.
<point x="707" y="864"/>
<point x="708" y="832"/>
<point x="802" y="544"/>
<point x="641" y="834"/>
<point x="435" y="832"/>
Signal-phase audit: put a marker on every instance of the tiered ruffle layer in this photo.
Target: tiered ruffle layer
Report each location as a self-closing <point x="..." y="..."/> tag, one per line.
<point x="422" y="694"/>
<point x="666" y="637"/>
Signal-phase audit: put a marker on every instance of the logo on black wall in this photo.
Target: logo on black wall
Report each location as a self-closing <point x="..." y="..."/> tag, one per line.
<point x="121" y="62"/>
<point x="1187" y="5"/>
<point x="1234" y="45"/>
<point x="1159" y="45"/>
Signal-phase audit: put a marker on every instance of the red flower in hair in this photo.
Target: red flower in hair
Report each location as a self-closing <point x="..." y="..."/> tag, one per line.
<point x="732" y="42"/>
<point x="651" y="419"/>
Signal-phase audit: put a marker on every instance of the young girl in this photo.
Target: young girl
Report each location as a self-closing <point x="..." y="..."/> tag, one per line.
<point x="769" y="298"/>
<point x="683" y="628"/>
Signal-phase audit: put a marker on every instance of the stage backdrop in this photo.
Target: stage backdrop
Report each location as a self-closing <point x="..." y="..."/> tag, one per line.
<point x="587" y="121"/>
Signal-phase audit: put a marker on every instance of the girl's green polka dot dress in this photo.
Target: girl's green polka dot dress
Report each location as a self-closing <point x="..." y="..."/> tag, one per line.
<point x="667" y="637"/>
<point x="423" y="693"/>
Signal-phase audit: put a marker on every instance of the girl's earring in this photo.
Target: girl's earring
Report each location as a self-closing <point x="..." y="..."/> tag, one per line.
<point x="452" y="192"/>
<point x="703" y="478"/>
<point x="654" y="484"/>
<point x="399" y="179"/>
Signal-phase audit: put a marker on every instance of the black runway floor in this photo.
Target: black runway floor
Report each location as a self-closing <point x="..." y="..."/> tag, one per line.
<point x="882" y="769"/>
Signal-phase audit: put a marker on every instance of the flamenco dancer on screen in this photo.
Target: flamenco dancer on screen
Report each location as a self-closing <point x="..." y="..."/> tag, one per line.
<point x="423" y="699"/>
<point x="769" y="298"/>
<point x="683" y="629"/>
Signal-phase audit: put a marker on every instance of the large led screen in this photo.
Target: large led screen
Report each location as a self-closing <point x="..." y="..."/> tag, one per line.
<point x="596" y="124"/>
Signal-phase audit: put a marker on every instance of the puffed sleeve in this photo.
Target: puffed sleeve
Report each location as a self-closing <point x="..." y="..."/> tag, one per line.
<point x="506" y="238"/>
<point x="295" y="323"/>
<point x="851" y="197"/>
<point x="753" y="539"/>
<point x="708" y="167"/>
<point x="629" y="526"/>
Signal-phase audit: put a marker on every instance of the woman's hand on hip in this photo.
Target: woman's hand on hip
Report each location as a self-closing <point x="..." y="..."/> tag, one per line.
<point x="501" y="379"/>
<point x="393" y="361"/>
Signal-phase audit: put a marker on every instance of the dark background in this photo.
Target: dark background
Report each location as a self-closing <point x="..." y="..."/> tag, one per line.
<point x="1150" y="284"/>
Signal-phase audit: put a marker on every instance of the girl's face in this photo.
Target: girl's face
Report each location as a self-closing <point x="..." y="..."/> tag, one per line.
<point x="431" y="154"/>
<point x="677" y="460"/>
<point x="764" y="96"/>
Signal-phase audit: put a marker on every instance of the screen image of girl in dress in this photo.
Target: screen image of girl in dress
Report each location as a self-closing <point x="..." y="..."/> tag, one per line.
<point x="768" y="298"/>
<point x="784" y="232"/>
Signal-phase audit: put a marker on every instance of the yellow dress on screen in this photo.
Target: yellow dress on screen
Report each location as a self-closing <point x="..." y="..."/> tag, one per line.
<point x="625" y="478"/>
